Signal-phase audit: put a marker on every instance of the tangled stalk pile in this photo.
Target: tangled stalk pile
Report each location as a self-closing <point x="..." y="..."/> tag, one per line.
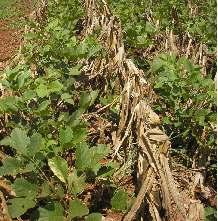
<point x="64" y="144"/>
<point x="137" y="119"/>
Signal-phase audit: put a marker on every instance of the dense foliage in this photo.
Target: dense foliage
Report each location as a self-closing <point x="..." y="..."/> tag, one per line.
<point x="142" y="20"/>
<point x="45" y="136"/>
<point x="186" y="99"/>
<point x="44" y="126"/>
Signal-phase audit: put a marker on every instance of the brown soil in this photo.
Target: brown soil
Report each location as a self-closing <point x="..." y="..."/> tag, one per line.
<point x="10" y="38"/>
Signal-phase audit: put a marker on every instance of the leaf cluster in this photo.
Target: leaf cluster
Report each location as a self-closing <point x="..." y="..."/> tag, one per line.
<point x="49" y="161"/>
<point x="187" y="101"/>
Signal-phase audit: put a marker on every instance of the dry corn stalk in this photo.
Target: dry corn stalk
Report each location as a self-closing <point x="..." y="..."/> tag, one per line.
<point x="158" y="189"/>
<point x="4" y="215"/>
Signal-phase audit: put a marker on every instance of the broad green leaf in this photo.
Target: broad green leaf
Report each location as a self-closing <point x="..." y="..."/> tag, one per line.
<point x="19" y="140"/>
<point x="96" y="154"/>
<point x="166" y="120"/>
<point x="24" y="188"/>
<point x="79" y="134"/>
<point x="51" y="144"/>
<point x="55" y="86"/>
<point x="42" y="90"/>
<point x="29" y="167"/>
<point x="30" y="36"/>
<point x="77" y="209"/>
<point x="6" y="141"/>
<point x="53" y="24"/>
<point x="9" y="104"/>
<point x="76" y="184"/>
<point x="18" y="206"/>
<point x="45" y="190"/>
<point x="210" y="214"/>
<point x="93" y="95"/>
<point x="87" y="99"/>
<point x="209" y="211"/>
<point x="149" y="27"/>
<point x="59" y="167"/>
<point x="108" y="169"/>
<point x="59" y="191"/>
<point x="156" y="65"/>
<point x="74" y="71"/>
<point x="22" y="78"/>
<point x="83" y="157"/>
<point x="88" y="158"/>
<point x="67" y="98"/>
<point x="63" y="117"/>
<point x="75" y="118"/>
<point x="25" y="197"/>
<point x="43" y="106"/>
<point x="29" y="95"/>
<point x="93" y="50"/>
<point x="119" y="200"/>
<point x="94" y="217"/>
<point x="99" y="151"/>
<point x="36" y="144"/>
<point x="53" y="73"/>
<point x="53" y="211"/>
<point x="66" y="135"/>
<point x="11" y="166"/>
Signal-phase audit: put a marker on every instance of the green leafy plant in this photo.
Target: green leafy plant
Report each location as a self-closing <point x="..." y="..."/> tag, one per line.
<point x="30" y="166"/>
<point x="49" y="159"/>
<point x="45" y="124"/>
<point x="210" y="214"/>
<point x="196" y="18"/>
<point x="120" y="200"/>
<point x="137" y="31"/>
<point x="94" y="217"/>
<point x="186" y="100"/>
